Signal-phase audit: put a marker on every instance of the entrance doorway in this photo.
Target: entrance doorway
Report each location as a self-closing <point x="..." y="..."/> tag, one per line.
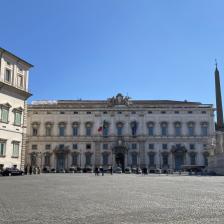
<point x="179" y="161"/>
<point x="119" y="159"/>
<point x="60" y="162"/>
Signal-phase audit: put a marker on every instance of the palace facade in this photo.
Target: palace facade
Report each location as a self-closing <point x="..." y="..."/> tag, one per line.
<point x="14" y="73"/>
<point x="119" y="132"/>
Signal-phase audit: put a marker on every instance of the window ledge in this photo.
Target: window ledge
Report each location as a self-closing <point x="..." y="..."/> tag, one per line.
<point x="16" y="157"/>
<point x="17" y="125"/>
<point x="2" y="156"/>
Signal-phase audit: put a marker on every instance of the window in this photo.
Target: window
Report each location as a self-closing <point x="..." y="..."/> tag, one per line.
<point x="2" y="149"/>
<point x="204" y="146"/>
<point x="149" y="112"/>
<point x="119" y="128"/>
<point x="164" y="146"/>
<point x="75" y="146"/>
<point x="164" y="128"/>
<point x="61" y="146"/>
<point x="48" y="147"/>
<point x="134" y="126"/>
<point x="48" y="131"/>
<point x="76" y="112"/>
<point x="20" y="81"/>
<point x="119" y="112"/>
<point x="75" y="131"/>
<point x="4" y="114"/>
<point x="88" y="129"/>
<point x="105" y="128"/>
<point x="150" y="126"/>
<point x="105" y="146"/>
<point x="62" y="112"/>
<point x="88" y="146"/>
<point x="192" y="146"/>
<point x="34" y="147"/>
<point x="190" y="112"/>
<point x="133" y="112"/>
<point x="105" y="112"/>
<point x="177" y="127"/>
<point x="203" y="112"/>
<point x="8" y="75"/>
<point x="151" y="146"/>
<point x="62" y="126"/>
<point x="191" y="128"/>
<point x="88" y="112"/>
<point x="105" y="159"/>
<point x="134" y="146"/>
<point x="17" y="117"/>
<point x="163" y="112"/>
<point x="35" y="131"/>
<point x="204" y="129"/>
<point x="15" y="151"/>
<point x="176" y="112"/>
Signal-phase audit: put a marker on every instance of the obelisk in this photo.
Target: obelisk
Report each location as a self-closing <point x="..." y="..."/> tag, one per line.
<point x="219" y="110"/>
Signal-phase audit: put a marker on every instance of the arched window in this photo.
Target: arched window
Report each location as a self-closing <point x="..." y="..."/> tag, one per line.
<point x="33" y="159"/>
<point x="88" y="128"/>
<point x="48" y="128"/>
<point x="177" y="128"/>
<point x="151" y="159"/>
<point x="150" y="126"/>
<point x="164" y="128"/>
<point x="62" y="126"/>
<point x="134" y="126"/>
<point x="204" y="128"/>
<point x="105" y="128"/>
<point x="191" y="127"/>
<point x="119" y="128"/>
<point x="35" y="127"/>
<point x="75" y="128"/>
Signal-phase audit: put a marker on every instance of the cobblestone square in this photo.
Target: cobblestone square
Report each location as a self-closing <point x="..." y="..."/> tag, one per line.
<point x="85" y="198"/>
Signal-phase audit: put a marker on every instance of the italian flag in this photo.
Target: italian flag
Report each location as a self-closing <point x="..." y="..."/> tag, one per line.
<point x="100" y="129"/>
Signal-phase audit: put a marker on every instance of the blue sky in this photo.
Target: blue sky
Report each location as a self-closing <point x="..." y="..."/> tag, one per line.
<point x="93" y="49"/>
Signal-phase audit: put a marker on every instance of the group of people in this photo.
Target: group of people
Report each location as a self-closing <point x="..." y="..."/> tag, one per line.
<point x="31" y="170"/>
<point x="99" y="170"/>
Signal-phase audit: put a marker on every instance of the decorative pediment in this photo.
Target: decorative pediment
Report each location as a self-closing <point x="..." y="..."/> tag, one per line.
<point x="178" y="149"/>
<point x="35" y="124"/>
<point x="119" y="99"/>
<point x="49" y="124"/>
<point x="150" y="124"/>
<point x="75" y="124"/>
<point x="5" y="105"/>
<point x="89" y="124"/>
<point x="62" y="124"/>
<point x="151" y="153"/>
<point x="18" y="109"/>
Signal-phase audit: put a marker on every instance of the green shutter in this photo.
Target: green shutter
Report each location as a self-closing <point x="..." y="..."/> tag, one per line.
<point x="2" y="149"/>
<point x="5" y="114"/>
<point x="17" y="118"/>
<point x="15" y="150"/>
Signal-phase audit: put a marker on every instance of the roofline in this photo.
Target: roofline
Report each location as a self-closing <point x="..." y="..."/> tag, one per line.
<point x="18" y="58"/>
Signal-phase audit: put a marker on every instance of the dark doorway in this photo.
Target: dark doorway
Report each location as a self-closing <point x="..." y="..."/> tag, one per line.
<point x="60" y="161"/>
<point x="119" y="158"/>
<point x="179" y="161"/>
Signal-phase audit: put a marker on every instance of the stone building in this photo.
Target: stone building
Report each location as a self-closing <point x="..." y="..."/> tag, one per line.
<point x="14" y="73"/>
<point x="119" y="132"/>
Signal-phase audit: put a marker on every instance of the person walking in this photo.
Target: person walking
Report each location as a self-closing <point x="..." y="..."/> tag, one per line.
<point x="30" y="170"/>
<point x="111" y="170"/>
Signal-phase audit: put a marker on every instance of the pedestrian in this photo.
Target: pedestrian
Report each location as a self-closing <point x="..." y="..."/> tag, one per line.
<point x="102" y="171"/>
<point x="38" y="170"/>
<point x="26" y="170"/>
<point x="95" y="171"/>
<point x="111" y="170"/>
<point x="31" y="170"/>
